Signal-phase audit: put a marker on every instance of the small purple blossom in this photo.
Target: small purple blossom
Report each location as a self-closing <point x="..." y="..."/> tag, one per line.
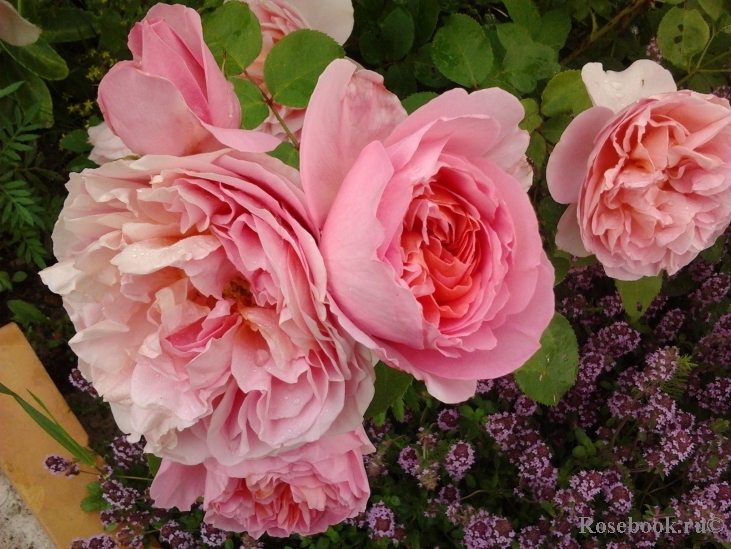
<point x="447" y="419"/>
<point x="408" y="459"/>
<point x="78" y="380"/>
<point x="381" y="521"/>
<point x="212" y="536"/>
<point x="127" y="454"/>
<point x="59" y="465"/>
<point x="459" y="459"/>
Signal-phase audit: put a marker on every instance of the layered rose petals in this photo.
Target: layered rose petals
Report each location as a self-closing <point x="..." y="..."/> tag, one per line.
<point x="302" y="491"/>
<point x="648" y="188"/>
<point x="199" y="297"/>
<point x="431" y="244"/>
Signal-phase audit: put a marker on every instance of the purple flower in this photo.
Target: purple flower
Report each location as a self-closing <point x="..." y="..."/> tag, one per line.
<point x="459" y="459"/>
<point x="408" y="459"/>
<point x="447" y="419"/>
<point x="211" y="535"/>
<point x="59" y="465"/>
<point x="381" y="521"/>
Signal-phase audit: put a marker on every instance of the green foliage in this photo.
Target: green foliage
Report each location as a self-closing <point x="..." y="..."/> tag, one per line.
<point x="391" y="384"/>
<point x="638" y="294"/>
<point x="254" y="109"/>
<point x="39" y="58"/>
<point x="295" y="63"/>
<point x="416" y="100"/>
<point x="233" y="31"/>
<point x="682" y="34"/>
<point x="25" y="313"/>
<point x="51" y="426"/>
<point x="286" y="152"/>
<point x="565" y="93"/>
<point x="552" y="370"/>
<point x="462" y="52"/>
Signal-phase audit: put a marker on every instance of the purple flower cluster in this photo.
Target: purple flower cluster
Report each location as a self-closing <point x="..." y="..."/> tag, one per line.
<point x="381" y="521"/>
<point x="102" y="541"/>
<point x="485" y="531"/>
<point x="447" y="419"/>
<point x="78" y="380"/>
<point x="127" y="454"/>
<point x="459" y="459"/>
<point x="118" y="495"/>
<point x="59" y="465"/>
<point x="172" y="534"/>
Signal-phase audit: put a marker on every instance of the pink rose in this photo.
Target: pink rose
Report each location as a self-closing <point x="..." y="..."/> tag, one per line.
<point x="302" y="491"/>
<point x="199" y="298"/>
<point x="432" y="247"/>
<point x="647" y="178"/>
<point x="107" y="145"/>
<point x="172" y="98"/>
<point x="278" y="18"/>
<point x="15" y="30"/>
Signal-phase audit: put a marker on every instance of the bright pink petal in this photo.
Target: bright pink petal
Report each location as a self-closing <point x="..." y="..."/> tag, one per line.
<point x="177" y="485"/>
<point x="346" y="112"/>
<point x="568" y="234"/>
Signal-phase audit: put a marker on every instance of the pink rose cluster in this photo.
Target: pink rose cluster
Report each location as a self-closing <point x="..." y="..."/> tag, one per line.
<point x="230" y="308"/>
<point x="646" y="172"/>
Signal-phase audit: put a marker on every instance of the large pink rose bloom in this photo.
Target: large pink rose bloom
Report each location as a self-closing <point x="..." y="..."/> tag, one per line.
<point x="431" y="244"/>
<point x="302" y="491"/>
<point x="647" y="179"/>
<point x="172" y="98"/>
<point x="278" y="18"/>
<point x="199" y="297"/>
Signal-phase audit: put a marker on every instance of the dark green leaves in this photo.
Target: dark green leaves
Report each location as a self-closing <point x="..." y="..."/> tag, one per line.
<point x="286" y="152"/>
<point x="39" y="58"/>
<point x="552" y="370"/>
<point x="296" y="62"/>
<point x="682" y="34"/>
<point x="462" y="52"/>
<point x="234" y="29"/>
<point x="525" y="62"/>
<point x="565" y="93"/>
<point x="391" y="385"/>
<point x="253" y="108"/>
<point x="397" y="34"/>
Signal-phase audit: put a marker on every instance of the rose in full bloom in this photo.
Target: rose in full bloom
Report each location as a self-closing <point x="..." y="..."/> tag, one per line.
<point x="647" y="177"/>
<point x="302" y="491"/>
<point x="432" y="246"/>
<point x="14" y="29"/>
<point x="172" y="98"/>
<point x="279" y="18"/>
<point x="200" y="298"/>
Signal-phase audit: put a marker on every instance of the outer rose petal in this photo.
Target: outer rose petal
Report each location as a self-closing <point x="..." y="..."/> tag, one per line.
<point x="177" y="485"/>
<point x="347" y="112"/>
<point x="107" y="145"/>
<point x="616" y="90"/>
<point x="15" y="30"/>
<point x="568" y="233"/>
<point x="334" y="18"/>
<point x="567" y="164"/>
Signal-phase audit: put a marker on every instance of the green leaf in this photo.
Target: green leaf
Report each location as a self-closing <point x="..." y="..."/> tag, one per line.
<point x="712" y="254"/>
<point x="90" y="504"/>
<point x="554" y="30"/>
<point x="416" y="100"/>
<point x="25" y="313"/>
<point x="714" y="8"/>
<point x="39" y="58"/>
<point x="425" y="21"/>
<point x="532" y="119"/>
<point x="76" y="141"/>
<point x="537" y="150"/>
<point x="524" y="13"/>
<point x="53" y="428"/>
<point x="234" y="28"/>
<point x="10" y="89"/>
<point x="253" y="108"/>
<point x="296" y="62"/>
<point x="425" y="71"/>
<point x="461" y="51"/>
<point x="34" y="95"/>
<point x="286" y="152"/>
<point x="397" y="34"/>
<point x="391" y="384"/>
<point x="553" y="128"/>
<point x="153" y="463"/>
<point x="565" y="93"/>
<point x="67" y="25"/>
<point x="638" y="294"/>
<point x="552" y="370"/>
<point x="682" y="34"/>
<point x="525" y="62"/>
<point x="400" y="79"/>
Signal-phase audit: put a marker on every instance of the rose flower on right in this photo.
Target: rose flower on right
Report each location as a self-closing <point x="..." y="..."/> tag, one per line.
<point x="646" y="172"/>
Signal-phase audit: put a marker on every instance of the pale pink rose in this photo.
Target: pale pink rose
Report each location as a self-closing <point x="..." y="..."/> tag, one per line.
<point x="195" y="281"/>
<point x="279" y="18"/>
<point x="302" y="491"/>
<point x="432" y="247"/>
<point x="107" y="145"/>
<point x="172" y="98"/>
<point x="14" y="29"/>
<point x="647" y="179"/>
